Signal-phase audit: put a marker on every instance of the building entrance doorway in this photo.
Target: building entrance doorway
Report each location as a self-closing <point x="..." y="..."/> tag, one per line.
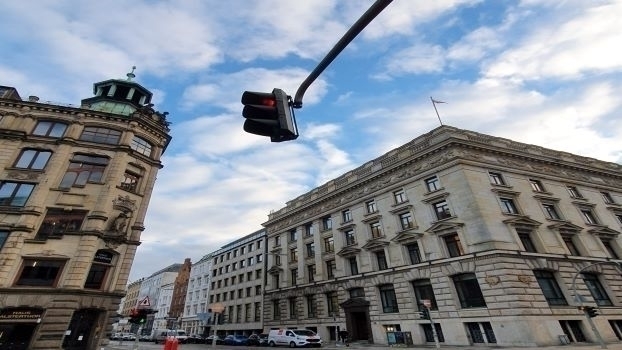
<point x="358" y="323"/>
<point x="81" y="330"/>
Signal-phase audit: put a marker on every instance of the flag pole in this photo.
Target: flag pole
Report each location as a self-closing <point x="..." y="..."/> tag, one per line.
<point x="434" y="102"/>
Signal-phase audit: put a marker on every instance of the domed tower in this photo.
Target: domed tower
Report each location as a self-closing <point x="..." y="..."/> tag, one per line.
<point x="118" y="96"/>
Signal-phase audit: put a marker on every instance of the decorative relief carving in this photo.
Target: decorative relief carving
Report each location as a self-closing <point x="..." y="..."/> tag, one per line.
<point x="492" y="280"/>
<point x="524" y="279"/>
<point x="22" y="175"/>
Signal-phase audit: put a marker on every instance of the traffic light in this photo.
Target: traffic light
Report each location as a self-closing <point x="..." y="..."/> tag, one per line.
<point x="139" y="316"/>
<point x="424" y="313"/>
<point x="269" y="114"/>
<point x="591" y="311"/>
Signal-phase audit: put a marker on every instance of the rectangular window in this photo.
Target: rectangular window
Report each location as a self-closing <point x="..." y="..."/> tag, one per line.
<point x="293" y="235"/>
<point x="329" y="245"/>
<point x="311" y="306"/>
<point x="346" y="215"/>
<point x="258" y="290"/>
<point x="354" y="268"/>
<point x="130" y="182"/>
<point x="423" y="291"/>
<point x="432" y="184"/>
<point x="308" y="230"/>
<point x="413" y="253"/>
<point x="96" y="276"/>
<point x="294" y="276"/>
<point x="311" y="273"/>
<point x="508" y="206"/>
<point x="399" y="196"/>
<point x="101" y="135"/>
<point x="310" y="250"/>
<point x="376" y="229"/>
<point x="454" y="247"/>
<point x="572" y="248"/>
<point x="350" y="239"/>
<point x="496" y="179"/>
<point x="50" y="129"/>
<point x="33" y="159"/>
<point x="573" y="192"/>
<point x="406" y="221"/>
<point x="293" y="311"/>
<point x="536" y="185"/>
<point x="4" y="235"/>
<point x="468" y="290"/>
<point x="429" y="334"/>
<point x="83" y="169"/>
<point x="381" y="260"/>
<point x="481" y="332"/>
<point x="596" y="289"/>
<point x="371" y="206"/>
<point x="247" y="312"/>
<point x="331" y="268"/>
<point x="15" y="194"/>
<point x="293" y="255"/>
<point x="607" y="198"/>
<point x="257" y="312"/>
<point x="332" y="303"/>
<point x="589" y="216"/>
<point x="607" y="243"/>
<point x="59" y="221"/>
<point x="277" y="260"/>
<point x="276" y="310"/>
<point x="388" y="299"/>
<point x="550" y="211"/>
<point x="327" y="223"/>
<point x="442" y="210"/>
<point x="141" y="146"/>
<point x="40" y="273"/>
<point x="277" y="241"/>
<point x="525" y="238"/>
<point x="276" y="280"/>
<point x="552" y="293"/>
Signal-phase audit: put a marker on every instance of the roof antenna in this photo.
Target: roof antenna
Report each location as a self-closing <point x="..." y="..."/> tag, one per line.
<point x="131" y="74"/>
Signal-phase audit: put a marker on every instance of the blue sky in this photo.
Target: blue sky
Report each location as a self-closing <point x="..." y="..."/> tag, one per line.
<point x="535" y="71"/>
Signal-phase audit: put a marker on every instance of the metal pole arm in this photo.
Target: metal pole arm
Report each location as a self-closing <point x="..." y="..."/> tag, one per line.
<point x="356" y="28"/>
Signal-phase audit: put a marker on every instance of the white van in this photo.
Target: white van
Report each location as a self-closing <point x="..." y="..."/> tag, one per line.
<point x="160" y="335"/>
<point x="293" y="338"/>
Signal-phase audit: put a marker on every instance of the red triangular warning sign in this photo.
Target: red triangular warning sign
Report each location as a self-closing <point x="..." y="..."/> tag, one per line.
<point x="145" y="302"/>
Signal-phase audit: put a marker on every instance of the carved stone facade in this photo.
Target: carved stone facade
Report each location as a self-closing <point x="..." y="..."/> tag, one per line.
<point x="491" y="231"/>
<point x="75" y="184"/>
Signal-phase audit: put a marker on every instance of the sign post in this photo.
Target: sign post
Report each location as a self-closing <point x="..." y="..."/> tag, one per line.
<point x="427" y="303"/>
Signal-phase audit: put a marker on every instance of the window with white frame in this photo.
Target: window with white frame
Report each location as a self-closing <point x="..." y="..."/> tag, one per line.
<point x="346" y="215"/>
<point x="375" y="229"/>
<point x="496" y="178"/>
<point x="588" y="215"/>
<point x="550" y="211"/>
<point x="441" y="209"/>
<point x="349" y="237"/>
<point x="453" y="245"/>
<point x="607" y="198"/>
<point x="371" y="206"/>
<point x="406" y="220"/>
<point x="536" y="185"/>
<point x="508" y="206"/>
<point x="573" y="191"/>
<point x="399" y="196"/>
<point x="432" y="184"/>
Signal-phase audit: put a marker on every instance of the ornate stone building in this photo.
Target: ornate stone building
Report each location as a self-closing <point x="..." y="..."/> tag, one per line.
<point x="495" y="235"/>
<point x="75" y="184"/>
<point x="179" y="294"/>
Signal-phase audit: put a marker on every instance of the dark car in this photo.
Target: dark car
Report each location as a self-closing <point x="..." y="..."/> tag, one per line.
<point x="210" y="339"/>
<point x="258" y="339"/>
<point x="236" y="340"/>
<point x="195" y="339"/>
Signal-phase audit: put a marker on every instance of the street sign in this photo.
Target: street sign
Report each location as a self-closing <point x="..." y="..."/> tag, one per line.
<point x="426" y="302"/>
<point x="144" y="302"/>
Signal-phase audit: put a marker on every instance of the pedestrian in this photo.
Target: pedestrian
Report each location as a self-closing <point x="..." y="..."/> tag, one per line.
<point x="343" y="335"/>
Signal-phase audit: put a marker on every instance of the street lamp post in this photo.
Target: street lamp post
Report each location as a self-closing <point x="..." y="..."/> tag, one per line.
<point x="578" y="299"/>
<point x="217" y="309"/>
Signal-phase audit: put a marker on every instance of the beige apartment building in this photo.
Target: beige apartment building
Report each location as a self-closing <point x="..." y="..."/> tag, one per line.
<point x="496" y="236"/>
<point x="75" y="183"/>
<point x="236" y="285"/>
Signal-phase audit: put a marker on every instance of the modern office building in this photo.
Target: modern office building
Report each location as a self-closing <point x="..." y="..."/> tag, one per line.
<point x="503" y="240"/>
<point x="75" y="184"/>
<point x="236" y="285"/>
<point x="156" y="293"/>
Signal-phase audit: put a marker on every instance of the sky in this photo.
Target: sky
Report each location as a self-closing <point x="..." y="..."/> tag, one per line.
<point x="542" y="72"/>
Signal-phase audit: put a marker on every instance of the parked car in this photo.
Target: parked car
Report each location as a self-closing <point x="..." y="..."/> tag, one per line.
<point x="210" y="339"/>
<point x="258" y="339"/>
<point x="129" y="336"/>
<point x="294" y="338"/>
<point x="195" y="339"/>
<point x="116" y="336"/>
<point x="145" y="338"/>
<point x="236" y="339"/>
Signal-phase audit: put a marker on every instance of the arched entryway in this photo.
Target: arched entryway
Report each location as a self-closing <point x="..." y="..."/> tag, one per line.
<point x="358" y="322"/>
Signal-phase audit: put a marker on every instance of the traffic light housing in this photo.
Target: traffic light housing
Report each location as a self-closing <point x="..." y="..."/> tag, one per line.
<point x="139" y="316"/>
<point x="424" y="313"/>
<point x="269" y="114"/>
<point x="591" y="311"/>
